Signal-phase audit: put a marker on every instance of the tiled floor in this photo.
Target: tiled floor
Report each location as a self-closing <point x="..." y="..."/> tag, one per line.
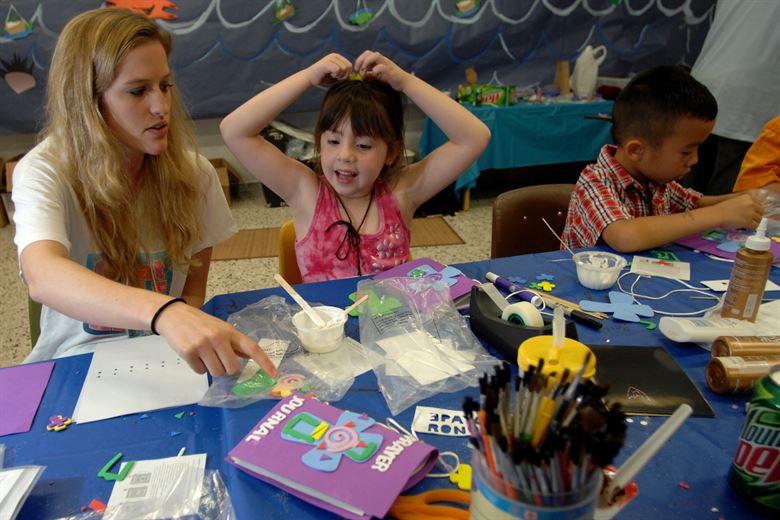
<point x="250" y="211"/>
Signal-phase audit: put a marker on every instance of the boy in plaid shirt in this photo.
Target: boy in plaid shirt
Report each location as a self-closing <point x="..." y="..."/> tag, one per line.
<point x="630" y="199"/>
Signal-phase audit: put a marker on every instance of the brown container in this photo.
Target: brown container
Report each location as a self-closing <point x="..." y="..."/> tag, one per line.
<point x="746" y="346"/>
<point x="735" y="375"/>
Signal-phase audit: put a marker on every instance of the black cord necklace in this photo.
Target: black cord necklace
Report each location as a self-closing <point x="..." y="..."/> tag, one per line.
<point x="351" y="236"/>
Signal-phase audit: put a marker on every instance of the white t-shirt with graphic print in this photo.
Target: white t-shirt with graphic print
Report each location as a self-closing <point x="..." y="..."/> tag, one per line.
<point x="46" y="208"/>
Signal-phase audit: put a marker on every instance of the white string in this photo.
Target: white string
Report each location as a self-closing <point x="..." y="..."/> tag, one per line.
<point x="450" y="469"/>
<point x="690" y="288"/>
<point x="544" y="304"/>
<point x="396" y="427"/>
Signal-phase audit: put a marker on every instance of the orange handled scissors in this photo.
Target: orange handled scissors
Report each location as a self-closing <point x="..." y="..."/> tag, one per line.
<point x="425" y="506"/>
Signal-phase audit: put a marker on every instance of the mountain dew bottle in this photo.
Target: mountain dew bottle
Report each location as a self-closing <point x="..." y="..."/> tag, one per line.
<point x="755" y="472"/>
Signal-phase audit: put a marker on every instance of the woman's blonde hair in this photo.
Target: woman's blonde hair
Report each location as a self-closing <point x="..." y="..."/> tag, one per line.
<point x="85" y="62"/>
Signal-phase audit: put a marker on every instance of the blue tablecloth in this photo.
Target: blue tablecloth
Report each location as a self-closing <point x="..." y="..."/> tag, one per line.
<point x="698" y="455"/>
<point x="530" y="134"/>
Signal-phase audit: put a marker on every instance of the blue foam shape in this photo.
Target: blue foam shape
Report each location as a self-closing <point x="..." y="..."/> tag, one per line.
<point x="517" y="280"/>
<point x="621" y="306"/>
<point x="545" y="276"/>
<point x="314" y="459"/>
<point x="729" y="246"/>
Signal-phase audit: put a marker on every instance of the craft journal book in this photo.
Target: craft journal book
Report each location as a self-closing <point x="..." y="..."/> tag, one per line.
<point x="459" y="283"/>
<point x="341" y="461"/>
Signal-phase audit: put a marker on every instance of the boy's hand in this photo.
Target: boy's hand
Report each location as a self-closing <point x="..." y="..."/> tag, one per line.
<point x="329" y="69"/>
<point x="744" y="211"/>
<point x="371" y="63"/>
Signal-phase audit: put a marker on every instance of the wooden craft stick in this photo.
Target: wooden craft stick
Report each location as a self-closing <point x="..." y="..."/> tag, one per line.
<point x="314" y="315"/>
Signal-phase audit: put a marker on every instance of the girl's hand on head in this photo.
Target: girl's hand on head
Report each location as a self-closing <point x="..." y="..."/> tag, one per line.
<point x="329" y="69"/>
<point x="371" y="63"/>
<point x="207" y="343"/>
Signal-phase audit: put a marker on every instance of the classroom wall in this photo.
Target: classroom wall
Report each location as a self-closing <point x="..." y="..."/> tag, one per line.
<point x="226" y="50"/>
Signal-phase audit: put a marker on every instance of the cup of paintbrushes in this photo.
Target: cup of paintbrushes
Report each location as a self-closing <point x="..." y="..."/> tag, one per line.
<point x="507" y="491"/>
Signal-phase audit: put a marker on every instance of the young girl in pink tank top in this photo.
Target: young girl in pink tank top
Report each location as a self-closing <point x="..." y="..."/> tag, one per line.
<point x="353" y="216"/>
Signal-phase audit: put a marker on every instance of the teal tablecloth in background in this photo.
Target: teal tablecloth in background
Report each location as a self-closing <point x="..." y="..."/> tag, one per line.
<point x="531" y="134"/>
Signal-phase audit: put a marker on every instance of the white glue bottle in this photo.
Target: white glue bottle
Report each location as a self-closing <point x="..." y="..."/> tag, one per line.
<point x="748" y="277"/>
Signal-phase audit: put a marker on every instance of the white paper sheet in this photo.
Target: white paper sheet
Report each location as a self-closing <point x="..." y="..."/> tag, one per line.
<point x="159" y="488"/>
<point x="136" y="375"/>
<point x="658" y="267"/>
<point x="440" y="421"/>
<point x="424" y="357"/>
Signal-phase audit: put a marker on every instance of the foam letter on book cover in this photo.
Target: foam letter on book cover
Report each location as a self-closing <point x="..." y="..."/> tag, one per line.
<point x="336" y="459"/>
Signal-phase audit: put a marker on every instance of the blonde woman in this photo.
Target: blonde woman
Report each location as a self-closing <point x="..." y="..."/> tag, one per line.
<point x="116" y="214"/>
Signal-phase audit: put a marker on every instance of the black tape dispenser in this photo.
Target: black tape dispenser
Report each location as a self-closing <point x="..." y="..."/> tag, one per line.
<point x="505" y="326"/>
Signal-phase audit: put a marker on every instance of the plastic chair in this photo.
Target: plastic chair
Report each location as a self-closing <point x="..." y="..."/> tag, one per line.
<point x="517" y="219"/>
<point x="34" y="320"/>
<point x="288" y="263"/>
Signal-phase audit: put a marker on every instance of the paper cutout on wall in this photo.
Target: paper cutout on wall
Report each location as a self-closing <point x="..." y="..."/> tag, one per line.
<point x="362" y="15"/>
<point x="283" y="9"/>
<point x="150" y="8"/>
<point x="331" y="442"/>
<point x="466" y="8"/>
<point x="15" y="27"/>
<point x="18" y="73"/>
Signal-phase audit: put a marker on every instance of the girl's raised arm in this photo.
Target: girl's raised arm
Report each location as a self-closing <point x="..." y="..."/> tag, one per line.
<point x="241" y="128"/>
<point x="468" y="136"/>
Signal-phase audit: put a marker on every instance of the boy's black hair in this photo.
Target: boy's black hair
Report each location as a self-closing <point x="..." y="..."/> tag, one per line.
<point x="652" y="103"/>
<point x="373" y="108"/>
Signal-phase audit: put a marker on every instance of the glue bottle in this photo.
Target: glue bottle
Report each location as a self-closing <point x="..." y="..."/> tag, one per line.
<point x="748" y="277"/>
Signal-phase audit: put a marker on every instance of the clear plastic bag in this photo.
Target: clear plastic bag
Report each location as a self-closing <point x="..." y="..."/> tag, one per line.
<point x="269" y="321"/>
<point x="418" y="343"/>
<point x="214" y="503"/>
<point x="17" y="482"/>
<point x="770" y="201"/>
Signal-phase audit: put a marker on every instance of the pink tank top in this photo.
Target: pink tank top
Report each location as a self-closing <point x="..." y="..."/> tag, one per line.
<point x="329" y="239"/>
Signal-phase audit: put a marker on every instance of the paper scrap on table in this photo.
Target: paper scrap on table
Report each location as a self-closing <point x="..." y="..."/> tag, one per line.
<point x="136" y="375"/>
<point x="440" y="421"/>
<point x="15" y="485"/>
<point x="159" y="488"/>
<point x="723" y="285"/>
<point x="21" y="390"/>
<point x="424" y="357"/>
<point x="658" y="267"/>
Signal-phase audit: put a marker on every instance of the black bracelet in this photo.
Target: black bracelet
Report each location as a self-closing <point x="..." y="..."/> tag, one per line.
<point x="160" y="311"/>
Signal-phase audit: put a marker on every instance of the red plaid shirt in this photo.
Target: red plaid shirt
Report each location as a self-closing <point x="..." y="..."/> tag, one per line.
<point x="606" y="192"/>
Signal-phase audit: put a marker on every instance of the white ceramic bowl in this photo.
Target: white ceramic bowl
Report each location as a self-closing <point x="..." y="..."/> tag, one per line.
<point x="598" y="269"/>
<point x="321" y="339"/>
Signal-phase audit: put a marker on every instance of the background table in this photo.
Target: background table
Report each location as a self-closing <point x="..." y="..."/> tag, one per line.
<point x="529" y="134"/>
<point x="699" y="454"/>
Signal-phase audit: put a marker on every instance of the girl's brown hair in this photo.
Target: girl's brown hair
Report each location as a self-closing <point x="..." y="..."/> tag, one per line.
<point x="373" y="108"/>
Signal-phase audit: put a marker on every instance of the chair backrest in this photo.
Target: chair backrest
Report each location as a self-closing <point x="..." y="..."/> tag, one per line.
<point x="517" y="219"/>
<point x="288" y="263"/>
<point x="34" y="316"/>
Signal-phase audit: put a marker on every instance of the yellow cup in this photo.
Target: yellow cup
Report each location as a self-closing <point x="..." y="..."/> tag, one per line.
<point x="571" y="355"/>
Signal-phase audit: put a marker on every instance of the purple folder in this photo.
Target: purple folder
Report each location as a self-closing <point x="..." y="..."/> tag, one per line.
<point x="459" y="283"/>
<point x="723" y="243"/>
<point x="338" y="460"/>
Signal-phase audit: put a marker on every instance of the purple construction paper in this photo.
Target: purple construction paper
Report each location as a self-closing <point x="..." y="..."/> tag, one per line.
<point x="462" y="285"/>
<point x="21" y="390"/>
<point x="706" y="245"/>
